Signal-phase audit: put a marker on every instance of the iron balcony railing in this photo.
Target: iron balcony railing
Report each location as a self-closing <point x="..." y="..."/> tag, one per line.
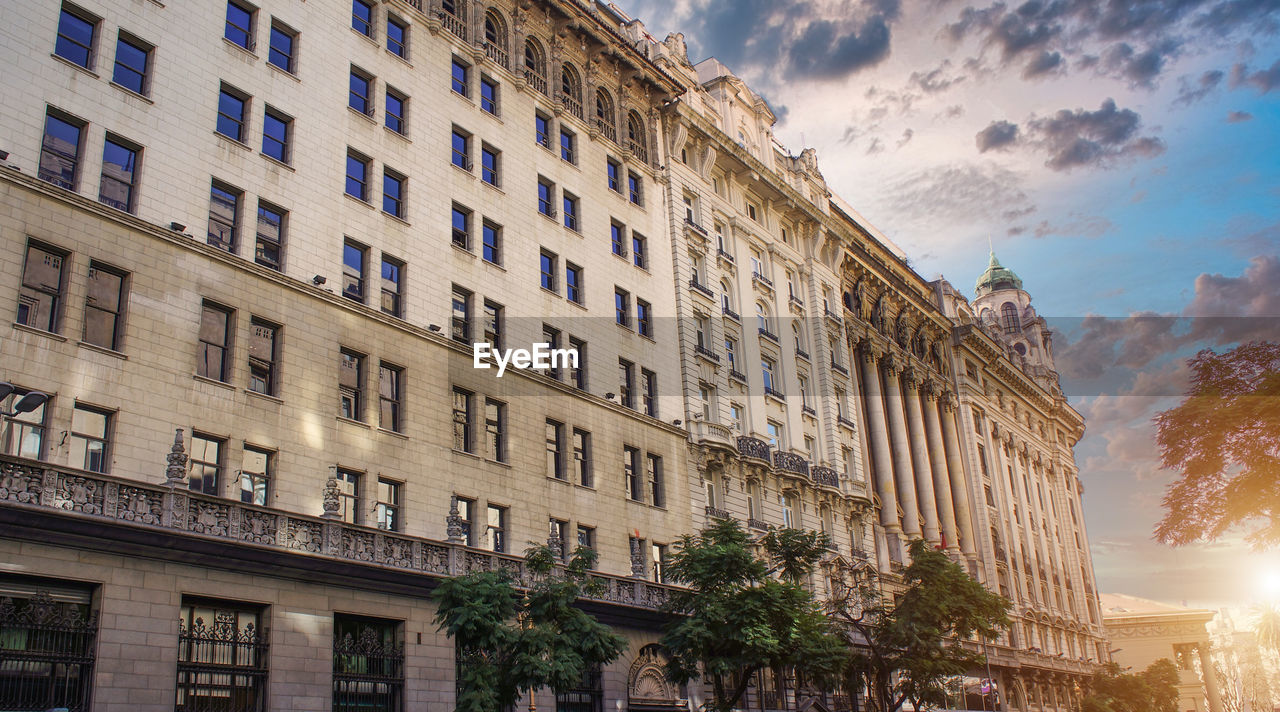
<point x="221" y="668"/>
<point x="368" y="673"/>
<point x="46" y="654"/>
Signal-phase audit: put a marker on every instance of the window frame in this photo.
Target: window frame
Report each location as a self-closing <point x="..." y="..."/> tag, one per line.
<point x="291" y="57"/>
<point x="144" y="75"/>
<point x="77" y="13"/>
<point x="351" y="398"/>
<point x="248" y="32"/>
<point x="285" y="122"/>
<point x="118" y="315"/>
<point x="267" y="369"/>
<point x="131" y="186"/>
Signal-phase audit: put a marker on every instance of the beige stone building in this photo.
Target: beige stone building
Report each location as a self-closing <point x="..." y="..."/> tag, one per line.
<point x="1143" y="631"/>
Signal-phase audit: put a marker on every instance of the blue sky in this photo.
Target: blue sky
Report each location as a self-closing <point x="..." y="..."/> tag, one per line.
<point x="1122" y="157"/>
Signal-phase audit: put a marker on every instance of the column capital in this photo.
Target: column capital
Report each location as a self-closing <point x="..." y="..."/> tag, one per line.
<point x="911" y="378"/>
<point x="891" y="363"/>
<point x="867" y="351"/>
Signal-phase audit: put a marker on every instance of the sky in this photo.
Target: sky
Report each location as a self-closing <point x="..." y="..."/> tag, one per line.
<point x="1122" y="157"/>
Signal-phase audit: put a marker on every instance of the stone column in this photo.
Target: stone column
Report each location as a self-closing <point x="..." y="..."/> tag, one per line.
<point x="901" y="448"/>
<point x="878" y="441"/>
<point x="920" y="456"/>
<point x="1210" y="679"/>
<point x="959" y="493"/>
<point x="938" y="466"/>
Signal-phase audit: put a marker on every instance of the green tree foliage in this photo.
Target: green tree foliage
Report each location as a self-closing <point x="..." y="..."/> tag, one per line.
<point x="1224" y="440"/>
<point x="740" y="614"/>
<point x="917" y="635"/>
<point x="512" y="641"/>
<point x="1152" y="690"/>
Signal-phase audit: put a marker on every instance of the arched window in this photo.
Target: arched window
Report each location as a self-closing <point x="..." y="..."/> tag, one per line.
<point x="726" y="297"/>
<point x="495" y="38"/>
<point x="454" y="16"/>
<point x="535" y="65"/>
<point x="797" y="333"/>
<point x="636" y="136"/>
<point x="1009" y="318"/>
<point x="571" y="90"/>
<point x="606" y="117"/>
<point x="762" y="317"/>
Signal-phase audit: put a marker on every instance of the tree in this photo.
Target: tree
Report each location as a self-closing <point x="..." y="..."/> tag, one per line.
<point x="1152" y="690"/>
<point x="511" y="642"/>
<point x="740" y="614"/>
<point x="1224" y="440"/>
<point x="1266" y="625"/>
<point x="915" y="634"/>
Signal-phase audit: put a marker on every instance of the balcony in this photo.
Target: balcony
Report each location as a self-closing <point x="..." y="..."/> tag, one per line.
<point x="753" y="447"/>
<point x="495" y="53"/>
<point x="695" y="284"/>
<point x="730" y="313"/>
<point x="737" y="375"/>
<point x="724" y="256"/>
<point x="766" y="334"/>
<point x="454" y="24"/>
<point x="535" y="80"/>
<point x="689" y="223"/>
<point x="791" y="462"/>
<point x="757" y="525"/>
<point x="808" y="410"/>
<point x="706" y="353"/>
<point x="825" y="476"/>
<point x="607" y="129"/>
<point x="801" y="353"/>
<point x="760" y="279"/>
<point x="776" y="394"/>
<point x="638" y="150"/>
<point x="717" y="513"/>
<point x="832" y="317"/>
<point x="839" y="368"/>
<point x="713" y="434"/>
<point x="846" y="422"/>
<point x="571" y="104"/>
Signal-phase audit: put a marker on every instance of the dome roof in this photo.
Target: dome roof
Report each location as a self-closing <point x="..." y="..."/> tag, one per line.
<point x="996" y="277"/>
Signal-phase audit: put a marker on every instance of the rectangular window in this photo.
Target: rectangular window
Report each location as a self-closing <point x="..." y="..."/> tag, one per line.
<point x="104" y="306"/>
<point x="239" y="26"/>
<point x="551" y="337"/>
<point x="542" y="130"/>
<point x="731" y="351"/>
<point x="394" y="188"/>
<point x="555" y="450"/>
<point x="43" y="285"/>
<point x="284" y="42"/>
<point x="653" y="473"/>
<point x="269" y="247"/>
<point x="119" y="173"/>
<point x="461" y="142"/>
<point x="495" y="425"/>
<point x="222" y="655"/>
<point x="489" y="95"/>
<point x="631" y="473"/>
<point x="547" y="268"/>
<point x="206" y="464"/>
<point x="768" y="367"/>
<point x="362" y="17"/>
<point x="76" y="30"/>
<point x="351" y="384"/>
<point x="215" y="341"/>
<point x="578" y="374"/>
<point x="461" y="326"/>
<point x="467" y="513"/>
<point x="463" y="432"/>
<point x="559" y="531"/>
<point x="397" y="37"/>
<point x="459" y="77"/>
<point x="773" y="432"/>
<point x="357" y="176"/>
<point x="658" y="552"/>
<point x="635" y="188"/>
<point x="644" y="320"/>
<point x="255" y="475"/>
<point x="618" y="239"/>
<point x="495" y="530"/>
<point x="626" y="382"/>
<point x="622" y="307"/>
<point x="613" y="171"/>
<point x="264" y="356"/>
<point x="392" y="286"/>
<point x="349" y="493"/>
<point x="360" y="95"/>
<point x="491" y="237"/>
<point x="639" y="253"/>
<point x="582" y="457"/>
<point x="224" y="216"/>
<point x="368" y="664"/>
<point x="586" y="537"/>
<point x="60" y="150"/>
<point x="461" y="218"/>
<point x="90" y="430"/>
<point x="489" y="166"/>
<point x="276" y="131"/>
<point x="397" y="103"/>
<point x="133" y="60"/>
<point x="233" y="105"/>
<point x="493" y="324"/>
<point x="387" y="511"/>
<point x="390" y="397"/>
<point x="546" y="197"/>
<point x="649" y="393"/>
<point x="23" y="434"/>
<point x="354" y="256"/>
<point x="571" y="211"/>
<point x="568" y="146"/>
<point x="573" y="282"/>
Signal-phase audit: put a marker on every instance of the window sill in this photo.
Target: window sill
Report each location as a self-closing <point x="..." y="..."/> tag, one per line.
<point x="499" y="463"/>
<point x="459" y="168"/>
<point x="494" y="265"/>
<point x="579" y="305"/>
<point x="589" y="488"/>
<point x="363" y="36"/>
<point x="392" y="433"/>
<point x="40" y="332"/>
<point x="285" y="72"/>
<point x="464" y="453"/>
<point x="552" y="292"/>
<point x="647" y="337"/>
<point x="397" y="134"/>
<point x="239" y="48"/>
<point x="75" y="66"/>
<point x="495" y="117"/>
<point x="278" y="162"/>
<point x="132" y="93"/>
<point x="103" y="350"/>
<point x="493" y="187"/>
<point x="365" y="203"/>
<point x="349" y="421"/>
<point x="402" y="59"/>
<point x="462" y="97"/>
<point x="367" y="117"/>
<point x="232" y="141"/>
<point x="551" y="217"/>
<point x="213" y="381"/>
<point x="561" y="480"/>
<point x="265" y="396"/>
<point x="463" y="250"/>
<point x="397" y="218"/>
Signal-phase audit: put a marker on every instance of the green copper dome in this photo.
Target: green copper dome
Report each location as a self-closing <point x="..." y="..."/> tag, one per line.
<point x="995" y="278"/>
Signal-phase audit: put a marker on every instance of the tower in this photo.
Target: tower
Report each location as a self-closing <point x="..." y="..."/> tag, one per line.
<point x="1004" y="310"/>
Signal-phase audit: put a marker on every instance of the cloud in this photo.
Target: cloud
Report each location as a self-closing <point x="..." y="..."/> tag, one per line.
<point x="997" y="135"/>
<point x="1091" y="138"/>
<point x="935" y="80"/>
<point x="907" y="135"/>
<point x="1189" y="94"/>
<point x="827" y="50"/>
<point x="1229" y="310"/>
<point x="956" y="192"/>
<point x="954" y="111"/>
<point x="877" y="146"/>
<point x="1236" y="117"/>
<point x="1139" y="69"/>
<point x="1044" y="64"/>
<point x="1264" y="80"/>
<point x="1083" y="225"/>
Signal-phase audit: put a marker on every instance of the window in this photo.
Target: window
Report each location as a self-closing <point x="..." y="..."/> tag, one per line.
<point x="40" y="297"/>
<point x="460" y="77"/>
<point x="224" y="216"/>
<point x="555" y="450"/>
<point x="76" y="30"/>
<point x="268" y="250"/>
<point x="23" y="434"/>
<point x="1009" y="318"/>
<point x="360" y="95"/>
<point x="263" y="356"/>
<point x="735" y="416"/>
<point x="551" y="337"/>
<point x="255" y="474"/>
<point x="239" y="25"/>
<point x="568" y="145"/>
<point x="622" y="307"/>
<point x="90" y="428"/>
<point x="635" y="188"/>
<point x="351" y="384"/>
<point x="215" y="340"/>
<point x="542" y="130"/>
<point x="606" y="116"/>
<point x="804" y="390"/>
<point x="461" y="143"/>
<point x="546" y="197"/>
<point x="276" y="129"/>
<point x="390" y="397"/>
<point x="690" y="209"/>
<point x="626" y="382"/>
<point x="368" y="664"/>
<point x="773" y="432"/>
<point x="133" y="59"/>
<point x="354" y="256"/>
<point x="649" y="395"/>
<point x="559" y="531"/>
<point x="707" y="395"/>
<point x="349" y="495"/>
<point x="103" y="306"/>
<point x="461" y="315"/>
<point x="495" y="425"/>
<point x="571" y="211"/>
<point x="653" y="473"/>
<point x="396" y="105"/>
<point x="586" y="537"/>
<point x="222" y="656"/>
<point x="60" y="150"/>
<point x="357" y="176"/>
<point x="731" y="350"/>
<point x="362" y="17"/>
<point x="397" y="37"/>
<point x="461" y="227"/>
<point x="283" y="48"/>
<point x="547" y="269"/>
<point x="206" y="464"/>
<point x="644" y="321"/>
<point x="639" y="253"/>
<point x="790" y="513"/>
<point x="613" y="171"/>
<point x="387" y="511"/>
<point x="119" y="171"/>
<point x="392" y="286"/>
<point x="535" y="65"/>
<point x="573" y="282"/>
<point x="811" y="448"/>
<point x="493" y="324"/>
<point x="658" y="552"/>
<point x="393" y="193"/>
<point x="489" y="164"/>
<point x="631" y="473"/>
<point x="752" y="212"/>
<point x="491" y="238"/>
<point x="578" y="373"/>
<point x="489" y="95"/>
<point x="495" y="530"/>
<point x="232" y="107"/>
<point x="466" y="513"/>
<point x="582" y="457"/>
<point x="462" y="421"/>
<point x="618" y="239"/>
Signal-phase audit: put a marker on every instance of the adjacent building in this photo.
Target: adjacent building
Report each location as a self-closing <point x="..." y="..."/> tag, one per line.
<point x="1144" y="631"/>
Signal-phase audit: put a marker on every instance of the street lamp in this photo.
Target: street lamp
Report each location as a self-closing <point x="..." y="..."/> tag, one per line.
<point x="27" y="403"/>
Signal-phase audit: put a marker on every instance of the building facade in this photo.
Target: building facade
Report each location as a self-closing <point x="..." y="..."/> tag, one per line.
<point x="253" y="301"/>
<point x="1145" y="631"/>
